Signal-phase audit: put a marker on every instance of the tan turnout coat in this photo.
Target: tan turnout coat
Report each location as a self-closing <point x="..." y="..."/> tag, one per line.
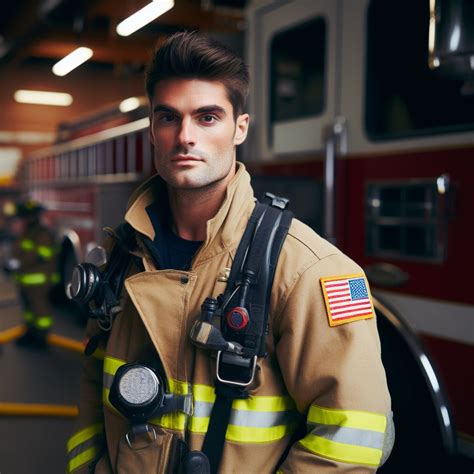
<point x="312" y="370"/>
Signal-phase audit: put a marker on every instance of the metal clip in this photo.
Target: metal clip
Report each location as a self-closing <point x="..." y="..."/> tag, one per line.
<point x="137" y="431"/>
<point x="237" y="360"/>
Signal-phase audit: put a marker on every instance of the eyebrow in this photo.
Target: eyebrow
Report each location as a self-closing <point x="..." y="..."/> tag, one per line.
<point x="201" y="110"/>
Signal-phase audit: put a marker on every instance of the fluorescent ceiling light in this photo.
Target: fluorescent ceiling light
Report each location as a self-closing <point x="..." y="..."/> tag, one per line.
<point x="25" y="137"/>
<point x="144" y="16"/>
<point x="72" y="60"/>
<point x="43" y="97"/>
<point x="129" y="104"/>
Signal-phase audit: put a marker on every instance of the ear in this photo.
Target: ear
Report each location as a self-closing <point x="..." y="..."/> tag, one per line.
<point x="241" y="128"/>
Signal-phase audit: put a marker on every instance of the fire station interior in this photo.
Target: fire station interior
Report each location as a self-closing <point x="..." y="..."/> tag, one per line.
<point x="80" y="156"/>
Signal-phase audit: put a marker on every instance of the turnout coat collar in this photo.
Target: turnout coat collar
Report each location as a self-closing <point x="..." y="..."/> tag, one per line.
<point x="222" y="231"/>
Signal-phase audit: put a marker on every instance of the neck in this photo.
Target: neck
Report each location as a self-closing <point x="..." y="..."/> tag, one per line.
<point x="192" y="208"/>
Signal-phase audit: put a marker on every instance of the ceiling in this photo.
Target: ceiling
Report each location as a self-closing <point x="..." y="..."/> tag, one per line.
<point x="47" y="30"/>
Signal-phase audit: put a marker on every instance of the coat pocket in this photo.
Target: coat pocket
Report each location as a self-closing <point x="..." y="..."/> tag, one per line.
<point x="158" y="455"/>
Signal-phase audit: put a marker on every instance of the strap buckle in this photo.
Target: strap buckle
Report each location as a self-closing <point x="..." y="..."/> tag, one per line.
<point x="141" y="436"/>
<point x="277" y="201"/>
<point x="174" y="402"/>
<point x="234" y="369"/>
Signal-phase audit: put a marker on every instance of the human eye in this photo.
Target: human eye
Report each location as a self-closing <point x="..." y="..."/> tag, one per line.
<point x="208" y="119"/>
<point x="167" y="118"/>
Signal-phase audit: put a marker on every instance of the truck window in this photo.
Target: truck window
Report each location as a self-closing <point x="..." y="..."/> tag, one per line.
<point x="297" y="71"/>
<point x="404" y="221"/>
<point x="404" y="97"/>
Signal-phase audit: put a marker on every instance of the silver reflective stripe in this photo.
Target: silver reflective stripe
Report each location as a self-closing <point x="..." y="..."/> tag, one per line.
<point x="261" y="419"/>
<point x="354" y="436"/>
<point x="202" y="409"/>
<point x="84" y="446"/>
<point x="249" y="418"/>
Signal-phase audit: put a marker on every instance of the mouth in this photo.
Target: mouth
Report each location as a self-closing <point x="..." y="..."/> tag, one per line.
<point x="185" y="158"/>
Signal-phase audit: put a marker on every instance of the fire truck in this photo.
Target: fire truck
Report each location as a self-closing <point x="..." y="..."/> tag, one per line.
<point x="363" y="115"/>
<point x="85" y="179"/>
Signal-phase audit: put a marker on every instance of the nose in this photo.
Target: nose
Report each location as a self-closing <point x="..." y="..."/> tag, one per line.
<point x="186" y="133"/>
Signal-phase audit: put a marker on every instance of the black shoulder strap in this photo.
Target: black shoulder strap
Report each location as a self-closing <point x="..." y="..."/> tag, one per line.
<point x="114" y="273"/>
<point x="249" y="286"/>
<point x="251" y="277"/>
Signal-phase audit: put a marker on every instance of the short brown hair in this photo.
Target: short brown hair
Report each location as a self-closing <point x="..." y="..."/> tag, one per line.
<point x="195" y="56"/>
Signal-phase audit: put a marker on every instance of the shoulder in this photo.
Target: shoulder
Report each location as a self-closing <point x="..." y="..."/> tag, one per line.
<point x="304" y="248"/>
<point x="308" y="256"/>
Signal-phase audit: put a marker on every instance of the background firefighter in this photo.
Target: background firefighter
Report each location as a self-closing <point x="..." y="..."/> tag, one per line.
<point x="35" y="252"/>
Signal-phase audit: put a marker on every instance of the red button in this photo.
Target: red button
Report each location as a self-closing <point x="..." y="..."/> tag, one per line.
<point x="237" y="318"/>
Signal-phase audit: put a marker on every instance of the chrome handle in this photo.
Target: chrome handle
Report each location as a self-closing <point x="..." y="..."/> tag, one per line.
<point x="335" y="143"/>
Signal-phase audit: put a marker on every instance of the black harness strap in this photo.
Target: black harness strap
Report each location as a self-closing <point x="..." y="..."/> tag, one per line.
<point x="243" y="248"/>
<point x="252" y="276"/>
<point x="215" y="436"/>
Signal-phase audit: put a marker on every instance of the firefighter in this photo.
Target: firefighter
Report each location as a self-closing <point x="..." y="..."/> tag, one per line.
<point x="34" y="271"/>
<point x="316" y="402"/>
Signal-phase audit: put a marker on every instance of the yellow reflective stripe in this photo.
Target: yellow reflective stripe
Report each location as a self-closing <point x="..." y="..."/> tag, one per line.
<point x="44" y="322"/>
<point x="32" y="278"/>
<point x="342" y="452"/>
<point x="82" y="458"/>
<point x="178" y="387"/>
<point x="242" y="409"/>
<point x="264" y="403"/>
<point x="105" y="400"/>
<point x="84" y="435"/>
<point x="111" y="365"/>
<point x="258" y="435"/>
<point x="45" y="251"/>
<point x="198" y="424"/>
<point x="99" y="353"/>
<point x="361" y="420"/>
<point x="27" y="245"/>
<point x="244" y="434"/>
<point x="173" y="421"/>
<point x="204" y="393"/>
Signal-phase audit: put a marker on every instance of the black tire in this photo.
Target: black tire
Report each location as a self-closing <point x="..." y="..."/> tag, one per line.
<point x="423" y="442"/>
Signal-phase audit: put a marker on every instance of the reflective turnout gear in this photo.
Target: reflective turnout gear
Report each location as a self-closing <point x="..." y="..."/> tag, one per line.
<point x="36" y="279"/>
<point x="312" y="369"/>
<point x="346" y="435"/>
<point x="37" y="251"/>
<point x="46" y="252"/>
<point x="83" y="446"/>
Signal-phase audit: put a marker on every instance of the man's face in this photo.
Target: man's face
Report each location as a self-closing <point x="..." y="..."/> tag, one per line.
<point x="194" y="133"/>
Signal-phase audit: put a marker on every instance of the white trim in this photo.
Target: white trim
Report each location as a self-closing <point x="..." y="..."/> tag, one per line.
<point x="93" y="139"/>
<point x="446" y="320"/>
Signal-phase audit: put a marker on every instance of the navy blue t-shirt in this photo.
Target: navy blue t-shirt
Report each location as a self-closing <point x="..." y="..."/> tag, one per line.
<point x="173" y="251"/>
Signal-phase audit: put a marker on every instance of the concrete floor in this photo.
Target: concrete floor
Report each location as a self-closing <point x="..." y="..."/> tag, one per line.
<point x="36" y="445"/>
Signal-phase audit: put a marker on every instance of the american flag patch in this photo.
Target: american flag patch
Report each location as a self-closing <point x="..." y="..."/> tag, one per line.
<point x="347" y="299"/>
